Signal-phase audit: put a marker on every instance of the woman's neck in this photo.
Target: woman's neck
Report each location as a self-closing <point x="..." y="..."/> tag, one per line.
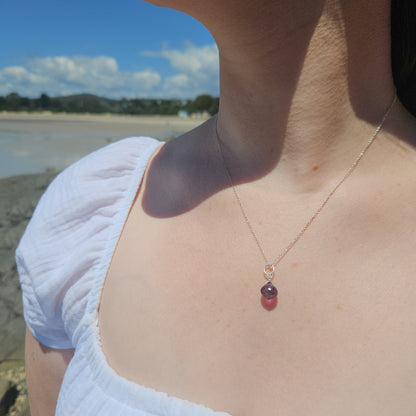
<point x="303" y="84"/>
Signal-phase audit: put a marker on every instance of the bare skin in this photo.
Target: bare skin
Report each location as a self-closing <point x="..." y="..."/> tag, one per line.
<point x="303" y="86"/>
<point x="341" y="340"/>
<point x="45" y="369"/>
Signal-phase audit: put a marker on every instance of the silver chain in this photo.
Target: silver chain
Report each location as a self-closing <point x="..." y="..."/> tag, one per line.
<point x="270" y="266"/>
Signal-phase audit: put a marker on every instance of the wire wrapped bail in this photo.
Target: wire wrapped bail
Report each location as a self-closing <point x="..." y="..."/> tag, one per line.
<point x="269" y="272"/>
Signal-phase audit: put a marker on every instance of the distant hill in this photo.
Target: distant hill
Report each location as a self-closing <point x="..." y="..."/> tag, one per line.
<point x="88" y="103"/>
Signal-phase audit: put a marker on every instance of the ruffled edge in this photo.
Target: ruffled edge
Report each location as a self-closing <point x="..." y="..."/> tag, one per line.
<point x="134" y="395"/>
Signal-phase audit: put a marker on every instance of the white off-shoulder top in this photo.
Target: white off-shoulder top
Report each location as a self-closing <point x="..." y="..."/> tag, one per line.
<point x="62" y="260"/>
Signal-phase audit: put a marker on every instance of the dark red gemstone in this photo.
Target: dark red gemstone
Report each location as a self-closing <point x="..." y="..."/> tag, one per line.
<point x="269" y="291"/>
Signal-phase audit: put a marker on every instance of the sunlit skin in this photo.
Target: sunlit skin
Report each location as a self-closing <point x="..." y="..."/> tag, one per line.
<point x="303" y="86"/>
<point x="298" y="77"/>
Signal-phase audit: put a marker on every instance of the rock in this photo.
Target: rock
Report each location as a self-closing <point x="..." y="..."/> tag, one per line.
<point x="23" y="408"/>
<point x="14" y="401"/>
<point x="4" y="387"/>
<point x="19" y="196"/>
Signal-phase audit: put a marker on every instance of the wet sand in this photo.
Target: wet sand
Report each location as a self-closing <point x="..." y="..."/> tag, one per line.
<point x="36" y="142"/>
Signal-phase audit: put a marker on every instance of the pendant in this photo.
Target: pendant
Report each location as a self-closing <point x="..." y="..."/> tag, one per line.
<point x="269" y="291"/>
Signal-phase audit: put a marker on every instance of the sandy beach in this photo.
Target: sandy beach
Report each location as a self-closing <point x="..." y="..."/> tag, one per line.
<point x="39" y="142"/>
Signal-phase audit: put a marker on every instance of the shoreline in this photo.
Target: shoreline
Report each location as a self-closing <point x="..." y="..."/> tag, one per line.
<point x="38" y="142"/>
<point x="104" y="117"/>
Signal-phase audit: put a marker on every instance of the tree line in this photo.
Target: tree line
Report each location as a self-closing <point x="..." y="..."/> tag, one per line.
<point x="88" y="103"/>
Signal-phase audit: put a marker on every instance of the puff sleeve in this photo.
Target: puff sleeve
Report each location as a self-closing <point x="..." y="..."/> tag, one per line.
<point x="62" y="247"/>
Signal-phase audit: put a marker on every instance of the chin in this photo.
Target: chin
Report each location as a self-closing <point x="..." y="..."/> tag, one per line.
<point x="185" y="6"/>
<point x="172" y="4"/>
<point x="203" y="11"/>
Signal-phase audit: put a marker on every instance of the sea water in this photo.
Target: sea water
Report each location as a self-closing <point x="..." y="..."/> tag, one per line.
<point x="36" y="152"/>
<point x="23" y="152"/>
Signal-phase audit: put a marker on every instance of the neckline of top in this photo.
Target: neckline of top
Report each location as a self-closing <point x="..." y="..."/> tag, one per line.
<point x="176" y="406"/>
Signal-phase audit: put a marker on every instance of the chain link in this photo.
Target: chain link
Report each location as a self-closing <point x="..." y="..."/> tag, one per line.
<point x="317" y="212"/>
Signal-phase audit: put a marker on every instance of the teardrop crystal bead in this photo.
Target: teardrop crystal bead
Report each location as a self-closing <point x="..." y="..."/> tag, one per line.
<point x="269" y="291"/>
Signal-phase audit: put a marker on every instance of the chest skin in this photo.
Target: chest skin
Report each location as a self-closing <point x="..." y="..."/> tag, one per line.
<point x="181" y="312"/>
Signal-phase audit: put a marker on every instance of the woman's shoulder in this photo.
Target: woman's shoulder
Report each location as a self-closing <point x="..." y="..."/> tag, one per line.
<point x="68" y="234"/>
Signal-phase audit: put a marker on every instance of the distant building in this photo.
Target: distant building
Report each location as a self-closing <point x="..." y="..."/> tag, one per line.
<point x="183" y="113"/>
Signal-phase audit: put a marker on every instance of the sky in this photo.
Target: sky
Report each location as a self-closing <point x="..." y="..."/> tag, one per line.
<point x="111" y="48"/>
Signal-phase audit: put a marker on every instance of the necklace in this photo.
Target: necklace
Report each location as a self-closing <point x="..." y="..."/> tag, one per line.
<point x="269" y="291"/>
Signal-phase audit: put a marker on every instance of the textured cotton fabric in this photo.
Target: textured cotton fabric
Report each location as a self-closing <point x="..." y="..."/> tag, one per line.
<point x="62" y="260"/>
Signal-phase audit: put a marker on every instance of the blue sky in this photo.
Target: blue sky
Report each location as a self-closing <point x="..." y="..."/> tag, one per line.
<point x="113" y="48"/>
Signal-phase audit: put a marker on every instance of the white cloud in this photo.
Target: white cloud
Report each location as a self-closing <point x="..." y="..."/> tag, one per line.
<point x="70" y="75"/>
<point x="195" y="71"/>
<point x="17" y="72"/>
